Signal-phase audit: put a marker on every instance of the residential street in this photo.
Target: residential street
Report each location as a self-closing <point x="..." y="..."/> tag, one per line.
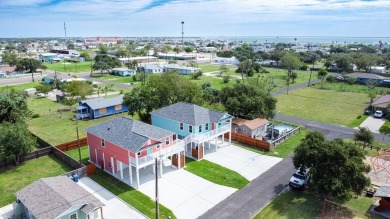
<point x="246" y="202"/>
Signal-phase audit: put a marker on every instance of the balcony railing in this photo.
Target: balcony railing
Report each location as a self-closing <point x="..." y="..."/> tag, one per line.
<point x="199" y="138"/>
<point x="177" y="147"/>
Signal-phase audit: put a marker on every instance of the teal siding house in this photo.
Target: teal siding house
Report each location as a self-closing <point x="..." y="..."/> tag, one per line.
<point x="196" y="125"/>
<point x="57" y="197"/>
<point x="48" y="57"/>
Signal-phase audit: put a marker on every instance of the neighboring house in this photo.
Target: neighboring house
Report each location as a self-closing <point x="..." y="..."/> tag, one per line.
<point x="269" y="62"/>
<point x="381" y="103"/>
<point x="152" y="68"/>
<point x="364" y="78"/>
<point x="123" y="72"/>
<point x="122" y="146"/>
<point x="183" y="70"/>
<point x="378" y="69"/>
<point x="139" y="59"/>
<point x="208" y="49"/>
<point x="227" y="61"/>
<point x="335" y="68"/>
<point x="252" y="128"/>
<point x="47" y="57"/>
<point x="57" y="197"/>
<point x="49" y="79"/>
<point x="99" y="107"/>
<point x="196" y="125"/>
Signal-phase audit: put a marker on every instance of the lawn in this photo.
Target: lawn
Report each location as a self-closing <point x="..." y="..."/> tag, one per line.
<point x="114" y="78"/>
<point x="75" y="154"/>
<point x="357" y="88"/>
<point x="326" y="106"/>
<point x="305" y="204"/>
<point x="22" y="87"/>
<point x="69" y="67"/>
<point x="212" y="67"/>
<point x="282" y="150"/>
<point x="130" y="195"/>
<point x="216" y="83"/>
<point x="55" y="126"/>
<point x="18" y="177"/>
<point x="215" y="173"/>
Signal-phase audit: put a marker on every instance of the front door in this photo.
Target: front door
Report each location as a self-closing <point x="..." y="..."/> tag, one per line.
<point x="212" y="126"/>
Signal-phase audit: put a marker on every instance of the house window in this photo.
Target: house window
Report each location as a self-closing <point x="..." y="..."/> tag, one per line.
<point x="174" y="137"/>
<point x="200" y="129"/>
<point x="181" y="126"/>
<point x="158" y="146"/>
<point x="219" y="124"/>
<point x="190" y="128"/>
<point x="206" y="127"/>
<point x="167" y="141"/>
<point x="139" y="153"/>
<point x="103" y="142"/>
<point x="73" y="216"/>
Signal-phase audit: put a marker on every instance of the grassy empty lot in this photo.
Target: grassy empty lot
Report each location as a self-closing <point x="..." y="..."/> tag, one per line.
<point x="213" y="67"/>
<point x="130" y="195"/>
<point x="215" y="173"/>
<point x="16" y="178"/>
<point x="305" y="204"/>
<point x="327" y="106"/>
<point x="344" y="87"/>
<point x="69" y="67"/>
<point x="58" y="127"/>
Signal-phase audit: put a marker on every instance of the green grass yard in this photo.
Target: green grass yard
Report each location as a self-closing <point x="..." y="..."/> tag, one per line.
<point x="130" y="195"/>
<point x="215" y="173"/>
<point x="357" y="88"/>
<point x="55" y="127"/>
<point x="326" y="106"/>
<point x="18" y="177"/>
<point x="307" y="205"/>
<point x="75" y="154"/>
<point x="69" y="67"/>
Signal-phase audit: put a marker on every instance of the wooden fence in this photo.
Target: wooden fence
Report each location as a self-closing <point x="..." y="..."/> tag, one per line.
<point x="371" y="147"/>
<point x="72" y="145"/>
<point x="264" y="145"/>
<point x="286" y="136"/>
<point x="30" y="156"/>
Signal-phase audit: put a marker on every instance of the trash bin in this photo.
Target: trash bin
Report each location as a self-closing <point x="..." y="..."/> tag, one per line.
<point x="75" y="178"/>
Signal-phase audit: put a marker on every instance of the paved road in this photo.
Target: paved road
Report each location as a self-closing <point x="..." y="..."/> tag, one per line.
<point x="246" y="202"/>
<point x="330" y="131"/>
<point x="26" y="78"/>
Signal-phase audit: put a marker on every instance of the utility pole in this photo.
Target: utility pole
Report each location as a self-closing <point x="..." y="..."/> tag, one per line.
<point x="157" y="201"/>
<point x="182" y="34"/>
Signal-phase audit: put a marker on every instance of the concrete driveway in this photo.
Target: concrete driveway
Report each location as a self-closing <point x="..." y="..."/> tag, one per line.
<point x="373" y="124"/>
<point x="186" y="194"/>
<point x="247" y="163"/>
<point x="115" y="208"/>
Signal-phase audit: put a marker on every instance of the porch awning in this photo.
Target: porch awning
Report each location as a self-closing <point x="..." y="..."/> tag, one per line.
<point x="81" y="107"/>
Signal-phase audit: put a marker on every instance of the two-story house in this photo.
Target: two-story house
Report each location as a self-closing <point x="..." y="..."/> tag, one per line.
<point x="122" y="146"/>
<point x="196" y="125"/>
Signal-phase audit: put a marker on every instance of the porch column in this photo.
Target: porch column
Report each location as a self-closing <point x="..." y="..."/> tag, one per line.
<point x="161" y="168"/>
<point x="178" y="159"/>
<point x="136" y="168"/>
<point x="154" y="168"/>
<point x="130" y="173"/>
<point x="202" y="150"/>
<point x="101" y="212"/>
<point x="104" y="162"/>
<point x="223" y="138"/>
<point x="208" y="144"/>
<point x="112" y="166"/>
<point x="96" y="156"/>
<point x="216" y="147"/>
<point x="121" y="169"/>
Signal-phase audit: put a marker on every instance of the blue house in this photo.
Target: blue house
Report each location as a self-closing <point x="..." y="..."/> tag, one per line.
<point x="196" y="125"/>
<point x="48" y="57"/>
<point x="364" y="78"/>
<point x="123" y="72"/>
<point x="49" y="79"/>
<point x="99" y="107"/>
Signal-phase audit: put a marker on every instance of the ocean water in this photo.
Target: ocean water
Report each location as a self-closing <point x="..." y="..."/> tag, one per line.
<point x="304" y="39"/>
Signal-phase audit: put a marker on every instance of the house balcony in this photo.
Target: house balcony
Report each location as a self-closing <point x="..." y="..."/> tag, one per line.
<point x="82" y="115"/>
<point x="200" y="138"/>
<point x="177" y="147"/>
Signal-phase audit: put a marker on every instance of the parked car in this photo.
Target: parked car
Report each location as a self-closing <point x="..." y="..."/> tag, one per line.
<point x="300" y="178"/>
<point x="378" y="114"/>
<point x="367" y="111"/>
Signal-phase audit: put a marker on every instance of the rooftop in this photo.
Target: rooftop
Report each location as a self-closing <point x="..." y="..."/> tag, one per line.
<point x="100" y="102"/>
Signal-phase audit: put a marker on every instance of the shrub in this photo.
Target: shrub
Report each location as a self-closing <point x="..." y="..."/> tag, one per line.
<point x="226" y="79"/>
<point x="330" y="79"/>
<point x="351" y="80"/>
<point x="134" y="78"/>
<point x="36" y="115"/>
<point x="304" y="67"/>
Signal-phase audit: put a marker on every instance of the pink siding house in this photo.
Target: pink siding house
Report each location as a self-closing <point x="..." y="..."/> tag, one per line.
<point x="122" y="146"/>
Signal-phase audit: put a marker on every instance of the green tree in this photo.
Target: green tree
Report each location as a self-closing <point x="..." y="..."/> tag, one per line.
<point x="43" y="88"/>
<point x="86" y="56"/>
<point x="372" y="96"/>
<point x="70" y="45"/>
<point x="223" y="69"/>
<point x="277" y="55"/>
<point x="343" y="61"/>
<point x="293" y="76"/>
<point x="322" y="76"/>
<point x="121" y="52"/>
<point x="105" y="63"/>
<point x="15" y="141"/>
<point x="245" y="67"/>
<point x="162" y="90"/>
<point x="10" y="58"/>
<point x="70" y="101"/>
<point x="13" y="106"/>
<point x="103" y="49"/>
<point x="364" y="135"/>
<point x="290" y="62"/>
<point x="337" y="167"/>
<point x="247" y="101"/>
<point x="30" y="65"/>
<point x="79" y="89"/>
<point x="188" y="49"/>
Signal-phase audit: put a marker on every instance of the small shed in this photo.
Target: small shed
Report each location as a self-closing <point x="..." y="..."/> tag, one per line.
<point x="384" y="193"/>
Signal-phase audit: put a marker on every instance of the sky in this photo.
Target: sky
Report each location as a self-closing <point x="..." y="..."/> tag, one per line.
<point x="153" y="18"/>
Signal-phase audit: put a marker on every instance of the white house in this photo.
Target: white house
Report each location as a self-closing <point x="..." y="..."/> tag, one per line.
<point x="378" y="69"/>
<point x="228" y="61"/>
